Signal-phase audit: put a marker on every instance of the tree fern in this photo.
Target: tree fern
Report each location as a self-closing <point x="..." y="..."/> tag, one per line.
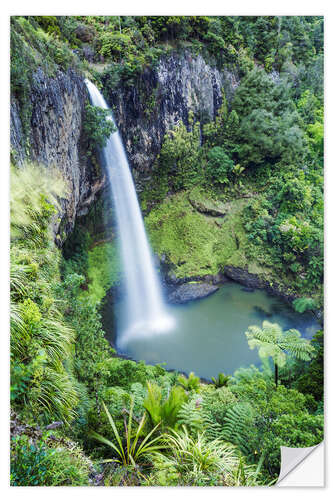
<point x="273" y="342"/>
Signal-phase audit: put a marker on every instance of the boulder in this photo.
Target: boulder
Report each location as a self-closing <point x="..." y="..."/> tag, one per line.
<point x="208" y="207"/>
<point x="191" y="291"/>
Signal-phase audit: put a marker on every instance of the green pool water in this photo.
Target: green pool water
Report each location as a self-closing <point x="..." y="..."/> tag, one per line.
<point x="209" y="334"/>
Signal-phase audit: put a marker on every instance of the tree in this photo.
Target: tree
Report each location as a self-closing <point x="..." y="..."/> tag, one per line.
<point x="261" y="137"/>
<point x="273" y="342"/>
<point x="269" y="125"/>
<point x="254" y="92"/>
<point x="97" y="127"/>
<point x="219" y="166"/>
<point x="294" y="431"/>
<point x="179" y="158"/>
<point x="312" y="379"/>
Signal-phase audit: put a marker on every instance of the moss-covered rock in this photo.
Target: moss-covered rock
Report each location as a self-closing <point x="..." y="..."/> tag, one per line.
<point x="195" y="244"/>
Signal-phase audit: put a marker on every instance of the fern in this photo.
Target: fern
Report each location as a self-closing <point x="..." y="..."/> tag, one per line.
<point x="213" y="429"/>
<point x="172" y="405"/>
<point x="272" y="341"/>
<point x="221" y="381"/>
<point x="214" y="408"/>
<point x="192" y="383"/>
<point x="164" y="411"/>
<point x="238" y="419"/>
<point x="191" y="416"/>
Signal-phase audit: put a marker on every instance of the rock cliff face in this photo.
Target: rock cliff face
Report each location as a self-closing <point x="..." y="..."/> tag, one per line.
<point x="253" y="281"/>
<point x="57" y="106"/>
<point x="163" y="96"/>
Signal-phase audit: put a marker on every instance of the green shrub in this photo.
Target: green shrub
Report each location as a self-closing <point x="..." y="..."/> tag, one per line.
<point x="219" y="166"/>
<point x="36" y="464"/>
<point x="103" y="270"/>
<point x="294" y="431"/>
<point x="311" y="380"/>
<point x="197" y="462"/>
<point x="97" y="127"/>
<point x="303" y="304"/>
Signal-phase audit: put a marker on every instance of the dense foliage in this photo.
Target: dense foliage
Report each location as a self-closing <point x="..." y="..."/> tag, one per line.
<point x="97" y="127"/>
<point x="90" y="388"/>
<point x="245" y="189"/>
<point x="260" y="152"/>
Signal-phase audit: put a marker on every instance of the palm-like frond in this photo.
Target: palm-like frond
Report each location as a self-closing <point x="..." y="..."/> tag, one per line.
<point x="297" y="346"/>
<point x="221" y="380"/>
<point x="172" y="405"/>
<point x="190" y="383"/>
<point x="165" y="411"/>
<point x="272" y="341"/>
<point x="132" y="451"/>
<point x="152" y="402"/>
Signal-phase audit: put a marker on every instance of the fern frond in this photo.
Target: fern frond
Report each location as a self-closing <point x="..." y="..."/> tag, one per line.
<point x="190" y="415"/>
<point x="236" y="425"/>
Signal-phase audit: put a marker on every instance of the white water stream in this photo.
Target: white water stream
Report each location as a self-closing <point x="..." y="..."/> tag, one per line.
<point x="144" y="313"/>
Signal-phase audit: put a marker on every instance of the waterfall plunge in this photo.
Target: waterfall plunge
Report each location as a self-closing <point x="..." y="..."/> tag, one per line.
<point x="143" y="313"/>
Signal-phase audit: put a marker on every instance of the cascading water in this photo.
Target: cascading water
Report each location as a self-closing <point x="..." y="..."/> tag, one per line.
<point x="143" y="312"/>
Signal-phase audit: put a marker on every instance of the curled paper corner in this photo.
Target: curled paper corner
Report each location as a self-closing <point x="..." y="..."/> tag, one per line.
<point x="302" y="466"/>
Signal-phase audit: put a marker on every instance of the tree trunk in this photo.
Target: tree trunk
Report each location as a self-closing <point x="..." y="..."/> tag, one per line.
<point x="276" y="374"/>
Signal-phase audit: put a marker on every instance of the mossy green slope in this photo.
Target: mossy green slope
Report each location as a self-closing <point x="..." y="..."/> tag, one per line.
<point x="194" y="243"/>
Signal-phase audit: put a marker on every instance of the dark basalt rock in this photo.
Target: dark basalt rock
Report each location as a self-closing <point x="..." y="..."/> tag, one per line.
<point x="161" y="96"/>
<point x="145" y="110"/>
<point x="253" y="281"/>
<point x="171" y="279"/>
<point x="191" y="291"/>
<point x="57" y="107"/>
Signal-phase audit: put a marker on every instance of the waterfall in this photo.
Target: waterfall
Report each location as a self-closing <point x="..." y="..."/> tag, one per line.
<point x="143" y="313"/>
